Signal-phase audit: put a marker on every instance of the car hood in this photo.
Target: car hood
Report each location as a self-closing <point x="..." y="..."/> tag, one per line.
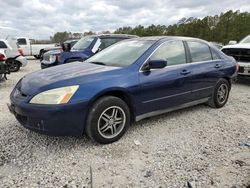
<point x="53" y="48"/>
<point x="62" y="75"/>
<point x="75" y="53"/>
<point x="52" y="52"/>
<point x="237" y="46"/>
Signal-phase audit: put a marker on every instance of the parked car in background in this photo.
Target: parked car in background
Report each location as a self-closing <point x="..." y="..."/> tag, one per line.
<point x="241" y="53"/>
<point x="59" y="48"/>
<point x="4" y="69"/>
<point x="13" y="54"/>
<point x="82" y="50"/>
<point x="128" y="81"/>
<point x="30" y="49"/>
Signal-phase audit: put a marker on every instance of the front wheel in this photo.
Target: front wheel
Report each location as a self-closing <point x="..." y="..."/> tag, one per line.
<point x="108" y="120"/>
<point x="220" y="94"/>
<point x="14" y="65"/>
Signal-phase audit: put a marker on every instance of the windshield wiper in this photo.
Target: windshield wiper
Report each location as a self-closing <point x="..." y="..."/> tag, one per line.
<point x="97" y="63"/>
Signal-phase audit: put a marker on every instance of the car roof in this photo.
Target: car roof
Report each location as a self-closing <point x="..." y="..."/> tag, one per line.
<point x="113" y="36"/>
<point x="168" y="38"/>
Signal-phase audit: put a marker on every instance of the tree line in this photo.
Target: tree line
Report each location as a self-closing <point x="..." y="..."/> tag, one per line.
<point x="231" y="25"/>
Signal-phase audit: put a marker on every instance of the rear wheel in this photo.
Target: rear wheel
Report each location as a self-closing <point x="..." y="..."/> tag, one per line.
<point x="108" y="120"/>
<point x="220" y="94"/>
<point x="13" y="64"/>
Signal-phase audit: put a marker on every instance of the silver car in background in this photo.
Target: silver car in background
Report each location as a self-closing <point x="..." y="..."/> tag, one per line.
<point x="14" y="56"/>
<point x="241" y="53"/>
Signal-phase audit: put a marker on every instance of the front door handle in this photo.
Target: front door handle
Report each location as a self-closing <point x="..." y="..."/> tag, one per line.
<point x="217" y="66"/>
<point x="185" y="72"/>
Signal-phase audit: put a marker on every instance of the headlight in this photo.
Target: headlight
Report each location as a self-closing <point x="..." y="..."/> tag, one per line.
<point x="55" y="96"/>
<point x="52" y="59"/>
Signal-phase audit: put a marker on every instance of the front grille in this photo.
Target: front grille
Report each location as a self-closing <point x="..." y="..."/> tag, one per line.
<point x="240" y="55"/>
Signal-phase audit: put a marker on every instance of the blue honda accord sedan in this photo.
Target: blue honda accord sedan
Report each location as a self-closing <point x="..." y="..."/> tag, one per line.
<point x="126" y="82"/>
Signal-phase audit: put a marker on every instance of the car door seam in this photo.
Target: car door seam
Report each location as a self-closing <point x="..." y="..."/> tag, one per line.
<point x="166" y="97"/>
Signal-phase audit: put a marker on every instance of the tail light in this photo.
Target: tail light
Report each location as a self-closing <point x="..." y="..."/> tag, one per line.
<point x="2" y="57"/>
<point x="20" y="50"/>
<point x="237" y="67"/>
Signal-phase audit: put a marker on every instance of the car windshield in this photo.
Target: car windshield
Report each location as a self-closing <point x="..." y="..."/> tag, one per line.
<point x="83" y="43"/>
<point x="245" y="40"/>
<point x="121" y="54"/>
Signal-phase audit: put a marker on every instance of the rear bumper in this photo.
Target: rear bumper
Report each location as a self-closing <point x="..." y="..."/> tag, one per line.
<point x="54" y="120"/>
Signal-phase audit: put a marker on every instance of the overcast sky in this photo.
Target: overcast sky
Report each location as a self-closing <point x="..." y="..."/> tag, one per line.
<point x="40" y="19"/>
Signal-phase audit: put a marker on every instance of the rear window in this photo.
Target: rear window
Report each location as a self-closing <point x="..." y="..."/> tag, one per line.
<point x="21" y="41"/>
<point x="199" y="51"/>
<point x="3" y="45"/>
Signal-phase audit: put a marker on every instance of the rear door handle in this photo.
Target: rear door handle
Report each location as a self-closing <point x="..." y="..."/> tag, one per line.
<point x="217" y="66"/>
<point x="185" y="72"/>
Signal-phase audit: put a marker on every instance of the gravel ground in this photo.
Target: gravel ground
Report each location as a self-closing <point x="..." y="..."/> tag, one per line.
<point x="199" y="145"/>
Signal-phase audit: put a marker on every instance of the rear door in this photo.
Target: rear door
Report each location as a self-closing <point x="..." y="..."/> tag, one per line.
<point x="167" y="87"/>
<point x="205" y="67"/>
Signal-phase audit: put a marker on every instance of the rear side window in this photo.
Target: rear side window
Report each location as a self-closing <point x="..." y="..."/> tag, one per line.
<point x="3" y="45"/>
<point x="172" y="52"/>
<point x="106" y="42"/>
<point x="199" y="51"/>
<point x="21" y="41"/>
<point x="215" y="54"/>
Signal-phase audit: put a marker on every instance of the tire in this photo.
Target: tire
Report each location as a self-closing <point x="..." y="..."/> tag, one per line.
<point x="108" y="120"/>
<point x="41" y="55"/>
<point x="14" y="65"/>
<point x="37" y="56"/>
<point x="220" y="94"/>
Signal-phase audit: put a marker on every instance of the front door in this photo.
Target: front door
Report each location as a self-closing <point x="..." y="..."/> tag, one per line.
<point x="167" y="87"/>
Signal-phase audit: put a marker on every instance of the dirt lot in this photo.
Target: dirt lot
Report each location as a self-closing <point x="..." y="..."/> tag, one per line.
<point x="199" y="145"/>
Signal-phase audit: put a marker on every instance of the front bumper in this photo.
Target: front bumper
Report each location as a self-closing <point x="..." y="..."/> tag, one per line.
<point x="46" y="65"/>
<point x="22" y="60"/>
<point x="244" y="69"/>
<point x="54" y="120"/>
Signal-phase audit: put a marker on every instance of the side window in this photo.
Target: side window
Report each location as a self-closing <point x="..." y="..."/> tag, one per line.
<point x="21" y="41"/>
<point x="215" y="55"/>
<point x="106" y="42"/>
<point x="172" y="52"/>
<point x="199" y="51"/>
<point x="3" y="45"/>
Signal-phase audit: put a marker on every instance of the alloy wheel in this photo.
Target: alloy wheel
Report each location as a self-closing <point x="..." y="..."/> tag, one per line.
<point x="13" y="66"/>
<point x="222" y="93"/>
<point x="111" y="122"/>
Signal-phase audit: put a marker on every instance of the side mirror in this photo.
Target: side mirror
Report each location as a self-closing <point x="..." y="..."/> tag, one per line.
<point x="155" y="64"/>
<point x="232" y="42"/>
